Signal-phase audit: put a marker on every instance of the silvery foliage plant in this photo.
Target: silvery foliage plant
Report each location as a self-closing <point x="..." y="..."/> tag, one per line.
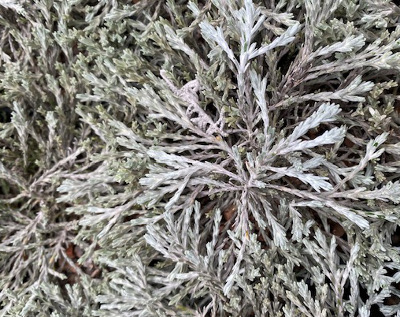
<point x="199" y="158"/>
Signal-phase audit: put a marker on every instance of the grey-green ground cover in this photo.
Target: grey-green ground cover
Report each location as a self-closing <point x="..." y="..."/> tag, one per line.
<point x="199" y="158"/>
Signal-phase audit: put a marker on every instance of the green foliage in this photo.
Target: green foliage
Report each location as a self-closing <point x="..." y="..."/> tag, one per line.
<point x="199" y="158"/>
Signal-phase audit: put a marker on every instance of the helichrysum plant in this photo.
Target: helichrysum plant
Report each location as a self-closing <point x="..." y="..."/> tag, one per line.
<point x="199" y="158"/>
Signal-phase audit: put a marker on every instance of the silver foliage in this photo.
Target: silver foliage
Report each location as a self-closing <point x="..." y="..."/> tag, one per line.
<point x="199" y="158"/>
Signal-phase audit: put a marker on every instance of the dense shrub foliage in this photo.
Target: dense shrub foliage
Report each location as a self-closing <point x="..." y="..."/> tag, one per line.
<point x="199" y="158"/>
